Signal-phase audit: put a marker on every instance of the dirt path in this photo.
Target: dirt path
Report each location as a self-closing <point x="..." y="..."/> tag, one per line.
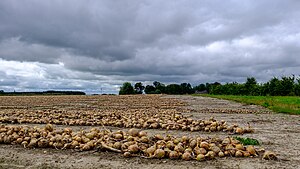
<point x="277" y="132"/>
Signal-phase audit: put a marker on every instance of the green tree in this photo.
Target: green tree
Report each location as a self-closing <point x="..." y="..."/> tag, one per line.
<point x="200" y="88"/>
<point x="126" y="89"/>
<point x="297" y="87"/>
<point x="265" y="89"/>
<point x="251" y="86"/>
<point x="173" y="89"/>
<point x="275" y="87"/>
<point x="149" y="89"/>
<point x="287" y="84"/>
<point x="214" y="88"/>
<point x="186" y="88"/>
<point x="139" y="88"/>
<point x="159" y="87"/>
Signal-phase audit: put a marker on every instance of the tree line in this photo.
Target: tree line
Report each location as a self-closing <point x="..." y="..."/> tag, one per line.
<point x="284" y="86"/>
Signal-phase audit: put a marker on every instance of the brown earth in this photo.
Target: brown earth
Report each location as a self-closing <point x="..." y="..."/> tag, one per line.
<point x="276" y="132"/>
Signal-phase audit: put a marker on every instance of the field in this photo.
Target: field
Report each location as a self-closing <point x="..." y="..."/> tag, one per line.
<point x="143" y="131"/>
<point x="280" y="104"/>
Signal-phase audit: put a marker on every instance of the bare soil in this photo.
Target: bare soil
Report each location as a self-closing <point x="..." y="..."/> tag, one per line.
<point x="276" y="132"/>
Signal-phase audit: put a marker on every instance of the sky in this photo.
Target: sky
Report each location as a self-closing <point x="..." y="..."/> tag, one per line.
<point x="96" y="45"/>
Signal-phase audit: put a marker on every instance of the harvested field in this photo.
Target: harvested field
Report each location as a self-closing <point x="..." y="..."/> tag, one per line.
<point x="158" y="115"/>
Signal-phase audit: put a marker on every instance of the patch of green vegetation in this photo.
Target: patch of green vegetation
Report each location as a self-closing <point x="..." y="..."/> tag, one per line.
<point x="247" y="141"/>
<point x="280" y="104"/>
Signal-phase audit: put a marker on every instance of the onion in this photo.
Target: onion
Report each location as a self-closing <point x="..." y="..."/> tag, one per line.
<point x="133" y="132"/>
<point x="193" y="143"/>
<point x="179" y="148"/>
<point x="118" y="136"/>
<point x="90" y="135"/>
<point x="127" y="154"/>
<point x="221" y="154"/>
<point x="229" y="147"/>
<point x="239" y="153"/>
<point x="239" y="146"/>
<point x="269" y="155"/>
<point x="239" y="130"/>
<point x="176" y="141"/>
<point x="215" y="149"/>
<point x="49" y="127"/>
<point x="186" y="156"/>
<point x="251" y="150"/>
<point x="170" y="145"/>
<point x="32" y="143"/>
<point x="226" y="141"/>
<point x="144" y="139"/>
<point x="197" y="150"/>
<point x="246" y="154"/>
<point x="19" y="140"/>
<point x="74" y="144"/>
<point x="174" y="155"/>
<point x="210" y="155"/>
<point x="150" y="151"/>
<point x="159" y="153"/>
<point x="117" y="145"/>
<point x="184" y="138"/>
<point x="133" y="148"/>
<point x="142" y="133"/>
<point x="158" y="137"/>
<point x="200" y="157"/>
<point x="205" y="145"/>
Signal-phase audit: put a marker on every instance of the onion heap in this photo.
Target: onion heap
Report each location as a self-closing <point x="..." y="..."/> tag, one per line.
<point x="169" y="119"/>
<point x="131" y="143"/>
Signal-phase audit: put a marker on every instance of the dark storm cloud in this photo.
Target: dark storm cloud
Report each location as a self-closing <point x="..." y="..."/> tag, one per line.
<point x="91" y="42"/>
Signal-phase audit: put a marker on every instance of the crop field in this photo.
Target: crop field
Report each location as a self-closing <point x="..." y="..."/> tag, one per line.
<point x="144" y="131"/>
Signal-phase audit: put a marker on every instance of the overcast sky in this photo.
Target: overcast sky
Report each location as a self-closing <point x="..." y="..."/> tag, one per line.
<point x="92" y="44"/>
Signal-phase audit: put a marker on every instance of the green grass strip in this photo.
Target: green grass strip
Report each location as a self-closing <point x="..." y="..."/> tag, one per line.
<point x="279" y="104"/>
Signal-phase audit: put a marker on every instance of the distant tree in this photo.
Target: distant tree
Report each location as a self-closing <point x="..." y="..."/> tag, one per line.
<point x="265" y="89"/>
<point x="287" y="84"/>
<point x="126" y="89"/>
<point x="1" y="91"/>
<point x="159" y="87"/>
<point x="275" y="87"/>
<point x="186" y="88"/>
<point x="139" y="88"/>
<point x="200" y="88"/>
<point x="156" y="84"/>
<point x="250" y="82"/>
<point x="214" y="88"/>
<point x="297" y="87"/>
<point x="251" y="86"/>
<point x="149" y="89"/>
<point x="173" y="89"/>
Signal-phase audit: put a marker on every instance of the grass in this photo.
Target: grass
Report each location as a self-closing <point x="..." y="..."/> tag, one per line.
<point x="280" y="104"/>
<point x="247" y="141"/>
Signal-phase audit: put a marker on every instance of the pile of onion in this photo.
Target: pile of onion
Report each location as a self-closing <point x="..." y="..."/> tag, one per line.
<point x="131" y="143"/>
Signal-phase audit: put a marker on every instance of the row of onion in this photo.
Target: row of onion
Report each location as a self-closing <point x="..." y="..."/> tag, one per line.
<point x="131" y="143"/>
<point x="148" y="119"/>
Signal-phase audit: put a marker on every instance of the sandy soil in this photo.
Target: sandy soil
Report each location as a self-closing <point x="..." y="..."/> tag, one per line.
<point x="277" y="132"/>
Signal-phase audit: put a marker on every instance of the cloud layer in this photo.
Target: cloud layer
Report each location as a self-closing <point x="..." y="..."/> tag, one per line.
<point x="89" y="45"/>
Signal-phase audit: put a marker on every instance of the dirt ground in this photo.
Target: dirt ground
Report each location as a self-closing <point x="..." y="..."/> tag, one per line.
<point x="276" y="132"/>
